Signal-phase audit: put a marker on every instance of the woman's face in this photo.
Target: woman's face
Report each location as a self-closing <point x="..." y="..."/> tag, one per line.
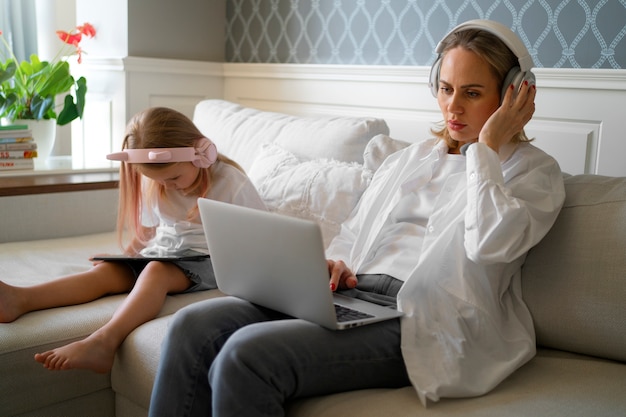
<point x="468" y="94"/>
<point x="178" y="176"/>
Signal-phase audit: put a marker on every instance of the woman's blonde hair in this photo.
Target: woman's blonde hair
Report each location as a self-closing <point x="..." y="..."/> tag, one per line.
<point x="155" y="127"/>
<point x="495" y="53"/>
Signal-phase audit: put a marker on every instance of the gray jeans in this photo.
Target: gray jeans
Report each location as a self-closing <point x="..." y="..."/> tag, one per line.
<point x="228" y="357"/>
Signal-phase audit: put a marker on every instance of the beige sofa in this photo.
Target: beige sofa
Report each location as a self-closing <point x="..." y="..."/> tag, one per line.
<point x="574" y="283"/>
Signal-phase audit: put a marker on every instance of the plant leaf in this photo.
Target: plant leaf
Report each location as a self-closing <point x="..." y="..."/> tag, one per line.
<point x="58" y="81"/>
<point x="81" y="91"/>
<point x="7" y="102"/>
<point x="69" y="112"/>
<point x="6" y="73"/>
<point x="39" y="106"/>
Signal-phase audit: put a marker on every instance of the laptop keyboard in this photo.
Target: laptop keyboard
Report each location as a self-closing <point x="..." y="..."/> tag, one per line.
<point x="349" y="314"/>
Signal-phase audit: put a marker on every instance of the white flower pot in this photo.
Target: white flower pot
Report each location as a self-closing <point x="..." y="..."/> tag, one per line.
<point x="44" y="134"/>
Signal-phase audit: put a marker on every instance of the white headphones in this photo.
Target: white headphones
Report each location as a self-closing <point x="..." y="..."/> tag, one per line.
<point x="516" y="76"/>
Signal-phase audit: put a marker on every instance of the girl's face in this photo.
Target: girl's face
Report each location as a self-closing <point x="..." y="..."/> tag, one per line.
<point x="179" y="176"/>
<point x="468" y="94"/>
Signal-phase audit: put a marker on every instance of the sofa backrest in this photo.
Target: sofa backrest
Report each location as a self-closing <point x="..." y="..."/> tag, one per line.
<point x="239" y="132"/>
<point x="308" y="167"/>
<point x="574" y="280"/>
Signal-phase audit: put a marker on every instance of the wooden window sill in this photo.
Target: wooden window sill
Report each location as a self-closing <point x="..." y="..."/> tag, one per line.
<point x="57" y="182"/>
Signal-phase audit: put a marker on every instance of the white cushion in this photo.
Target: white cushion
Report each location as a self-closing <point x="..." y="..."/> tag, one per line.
<point x="574" y="279"/>
<point x="239" y="132"/>
<point x="323" y="190"/>
<point x="379" y="148"/>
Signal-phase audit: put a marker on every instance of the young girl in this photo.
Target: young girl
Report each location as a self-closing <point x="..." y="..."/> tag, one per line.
<point x="166" y="165"/>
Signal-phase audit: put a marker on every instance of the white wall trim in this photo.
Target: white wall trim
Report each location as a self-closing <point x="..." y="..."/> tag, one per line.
<point x="172" y="66"/>
<point x="577" y="116"/>
<point x="572" y="78"/>
<point x="550" y="77"/>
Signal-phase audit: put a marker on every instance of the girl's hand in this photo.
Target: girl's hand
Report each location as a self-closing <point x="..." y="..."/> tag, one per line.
<point x="93" y="262"/>
<point x="510" y="118"/>
<point x="341" y="277"/>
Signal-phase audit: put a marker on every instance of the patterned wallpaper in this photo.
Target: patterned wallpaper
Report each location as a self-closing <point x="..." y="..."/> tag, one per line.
<point x="558" y="33"/>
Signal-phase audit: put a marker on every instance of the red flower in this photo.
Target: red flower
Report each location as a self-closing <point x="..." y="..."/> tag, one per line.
<point x="76" y="35"/>
<point x="70" y="38"/>
<point x="87" y="29"/>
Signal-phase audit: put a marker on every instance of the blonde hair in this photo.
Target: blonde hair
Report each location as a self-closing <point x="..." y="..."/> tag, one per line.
<point x="155" y="127"/>
<point x="498" y="57"/>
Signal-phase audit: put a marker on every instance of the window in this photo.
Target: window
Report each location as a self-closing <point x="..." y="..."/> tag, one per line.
<point x="15" y="17"/>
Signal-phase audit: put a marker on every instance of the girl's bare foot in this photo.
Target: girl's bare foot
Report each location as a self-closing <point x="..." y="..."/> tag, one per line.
<point x="91" y="353"/>
<point x="9" y="303"/>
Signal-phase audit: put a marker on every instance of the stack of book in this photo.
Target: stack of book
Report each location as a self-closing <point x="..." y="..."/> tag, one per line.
<point x="17" y="148"/>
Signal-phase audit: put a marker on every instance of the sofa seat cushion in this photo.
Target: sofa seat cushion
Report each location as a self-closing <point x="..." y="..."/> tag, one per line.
<point x="239" y="132"/>
<point x="548" y="385"/>
<point x="30" y="263"/>
<point x="137" y="360"/>
<point x="574" y="280"/>
<point x="30" y="386"/>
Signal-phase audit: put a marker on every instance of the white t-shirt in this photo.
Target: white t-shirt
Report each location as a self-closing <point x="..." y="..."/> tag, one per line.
<point x="174" y="233"/>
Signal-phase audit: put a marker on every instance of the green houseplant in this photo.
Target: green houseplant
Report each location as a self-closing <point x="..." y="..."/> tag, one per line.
<point x="28" y="89"/>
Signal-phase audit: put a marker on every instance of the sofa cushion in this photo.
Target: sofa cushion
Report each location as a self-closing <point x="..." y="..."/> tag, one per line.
<point x="574" y="280"/>
<point x="552" y="384"/>
<point x="322" y="190"/>
<point x="379" y="148"/>
<point x="239" y="132"/>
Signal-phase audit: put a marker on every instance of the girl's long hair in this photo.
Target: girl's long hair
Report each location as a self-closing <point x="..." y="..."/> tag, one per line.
<point x="155" y="127"/>
<point x="499" y="58"/>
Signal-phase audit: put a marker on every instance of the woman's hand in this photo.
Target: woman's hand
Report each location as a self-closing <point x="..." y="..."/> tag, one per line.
<point x="510" y="118"/>
<point x="341" y="277"/>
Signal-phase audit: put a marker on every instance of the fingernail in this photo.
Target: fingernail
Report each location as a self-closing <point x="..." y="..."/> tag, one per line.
<point x="332" y="286"/>
<point x="526" y="82"/>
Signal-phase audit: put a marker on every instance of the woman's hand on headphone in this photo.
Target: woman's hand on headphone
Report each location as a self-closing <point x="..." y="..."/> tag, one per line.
<point x="514" y="113"/>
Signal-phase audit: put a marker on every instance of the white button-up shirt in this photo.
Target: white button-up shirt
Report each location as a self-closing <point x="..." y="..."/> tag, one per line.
<point x="466" y="327"/>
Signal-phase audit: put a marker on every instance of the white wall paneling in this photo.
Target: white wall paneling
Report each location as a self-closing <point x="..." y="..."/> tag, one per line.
<point x="577" y="119"/>
<point x="119" y="88"/>
<point x="171" y="83"/>
<point x="46" y="216"/>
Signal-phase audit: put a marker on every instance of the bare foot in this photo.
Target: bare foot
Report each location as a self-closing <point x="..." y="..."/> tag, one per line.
<point x="90" y="353"/>
<point x="9" y="303"/>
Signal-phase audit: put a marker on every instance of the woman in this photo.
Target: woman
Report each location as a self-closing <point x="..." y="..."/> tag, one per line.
<point x="441" y="233"/>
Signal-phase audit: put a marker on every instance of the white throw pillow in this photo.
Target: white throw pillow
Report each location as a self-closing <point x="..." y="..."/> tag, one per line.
<point x="239" y="132"/>
<point x="379" y="148"/>
<point x="323" y="190"/>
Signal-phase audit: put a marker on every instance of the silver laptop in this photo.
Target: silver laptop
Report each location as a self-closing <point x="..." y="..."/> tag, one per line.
<point x="278" y="262"/>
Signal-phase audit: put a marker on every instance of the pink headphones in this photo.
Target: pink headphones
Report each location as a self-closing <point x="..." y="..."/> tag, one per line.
<point x="203" y="155"/>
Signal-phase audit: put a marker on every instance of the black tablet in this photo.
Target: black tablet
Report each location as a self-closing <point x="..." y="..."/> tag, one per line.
<point x="188" y="255"/>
